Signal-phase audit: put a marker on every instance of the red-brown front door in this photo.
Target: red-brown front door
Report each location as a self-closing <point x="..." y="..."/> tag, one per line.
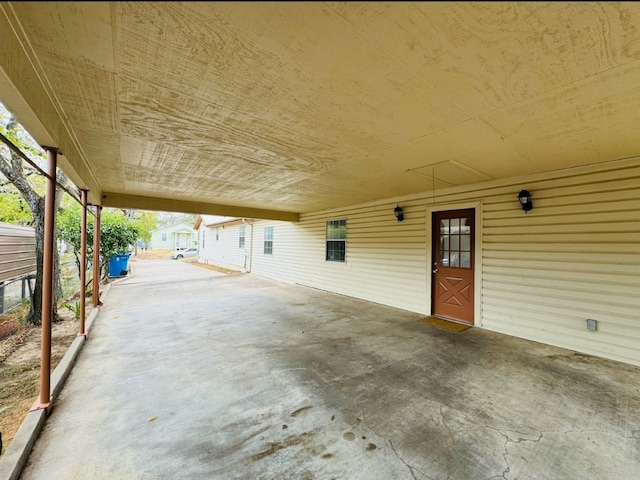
<point x="453" y="257"/>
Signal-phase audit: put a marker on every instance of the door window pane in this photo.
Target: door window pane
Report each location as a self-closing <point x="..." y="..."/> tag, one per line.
<point x="455" y="242"/>
<point x="465" y="243"/>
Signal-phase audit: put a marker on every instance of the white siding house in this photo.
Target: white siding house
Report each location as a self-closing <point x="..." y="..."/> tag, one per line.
<point x="178" y="236"/>
<point x="538" y="275"/>
<point x="222" y="241"/>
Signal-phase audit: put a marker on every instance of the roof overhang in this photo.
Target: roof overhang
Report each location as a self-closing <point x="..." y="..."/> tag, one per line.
<point x="269" y="109"/>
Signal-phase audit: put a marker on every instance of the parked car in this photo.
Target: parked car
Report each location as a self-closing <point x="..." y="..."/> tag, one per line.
<point x="189" y="252"/>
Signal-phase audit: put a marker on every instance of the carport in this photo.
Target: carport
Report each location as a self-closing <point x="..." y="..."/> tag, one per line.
<point x="286" y="111"/>
<point x="198" y="375"/>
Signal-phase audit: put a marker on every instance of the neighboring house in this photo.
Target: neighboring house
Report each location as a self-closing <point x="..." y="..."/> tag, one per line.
<point x="222" y="241"/>
<point x="472" y="254"/>
<point x="178" y="236"/>
<point x="64" y="246"/>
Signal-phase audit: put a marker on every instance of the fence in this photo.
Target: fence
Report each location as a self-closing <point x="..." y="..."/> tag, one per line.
<point x="70" y="276"/>
<point x="17" y="251"/>
<point x="17" y="264"/>
<point x="13" y="292"/>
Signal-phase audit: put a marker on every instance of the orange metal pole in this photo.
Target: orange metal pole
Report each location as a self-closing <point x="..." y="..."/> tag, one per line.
<point x="96" y="257"/>
<point x="47" y="279"/>
<point x="83" y="262"/>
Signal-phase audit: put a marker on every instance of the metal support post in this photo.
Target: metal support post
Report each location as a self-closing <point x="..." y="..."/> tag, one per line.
<point x="83" y="262"/>
<point x="96" y="257"/>
<point x="47" y="281"/>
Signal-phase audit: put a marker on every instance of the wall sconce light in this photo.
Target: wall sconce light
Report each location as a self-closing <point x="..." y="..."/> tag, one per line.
<point x="524" y="197"/>
<point x="398" y="213"/>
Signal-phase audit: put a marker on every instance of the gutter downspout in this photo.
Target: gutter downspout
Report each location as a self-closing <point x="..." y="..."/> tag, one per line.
<point x="250" y="256"/>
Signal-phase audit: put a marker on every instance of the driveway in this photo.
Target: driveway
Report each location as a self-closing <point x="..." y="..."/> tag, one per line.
<point x="191" y="374"/>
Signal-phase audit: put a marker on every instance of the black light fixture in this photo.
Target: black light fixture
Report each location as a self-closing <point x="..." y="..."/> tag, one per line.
<point x="524" y="197"/>
<point x="398" y="213"/>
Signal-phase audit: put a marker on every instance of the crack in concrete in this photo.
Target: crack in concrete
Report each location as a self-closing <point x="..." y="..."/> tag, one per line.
<point x="507" y="440"/>
<point x="506" y="460"/>
<point x="393" y="449"/>
<point x="510" y="436"/>
<point x="399" y="457"/>
<point x="444" y="420"/>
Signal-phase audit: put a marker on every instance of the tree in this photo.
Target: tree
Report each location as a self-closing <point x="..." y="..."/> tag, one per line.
<point x="118" y="233"/>
<point x="146" y="223"/>
<point x="15" y="171"/>
<point x="68" y="221"/>
<point x="13" y="208"/>
<point x="169" y="218"/>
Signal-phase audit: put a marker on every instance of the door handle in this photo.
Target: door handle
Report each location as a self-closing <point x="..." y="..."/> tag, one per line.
<point x="435" y="270"/>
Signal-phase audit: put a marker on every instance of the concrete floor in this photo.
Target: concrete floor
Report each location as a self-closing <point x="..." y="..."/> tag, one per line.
<point x="189" y="374"/>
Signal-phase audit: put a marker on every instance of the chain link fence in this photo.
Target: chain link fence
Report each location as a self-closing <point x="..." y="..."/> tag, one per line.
<point x="18" y="291"/>
<point x="15" y="292"/>
<point x="70" y="276"/>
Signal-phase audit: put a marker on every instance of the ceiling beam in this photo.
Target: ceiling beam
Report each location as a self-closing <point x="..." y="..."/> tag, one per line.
<point x="117" y="200"/>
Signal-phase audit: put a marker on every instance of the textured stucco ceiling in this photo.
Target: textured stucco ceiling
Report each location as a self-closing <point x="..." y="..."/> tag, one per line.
<point x="293" y="107"/>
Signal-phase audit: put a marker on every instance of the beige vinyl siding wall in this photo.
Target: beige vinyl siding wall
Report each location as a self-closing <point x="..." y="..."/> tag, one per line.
<point x="385" y="260"/>
<point x="575" y="256"/>
<point x="279" y="264"/>
<point x="224" y="252"/>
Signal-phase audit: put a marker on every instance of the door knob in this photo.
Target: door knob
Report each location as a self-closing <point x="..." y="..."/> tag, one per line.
<point x="435" y="270"/>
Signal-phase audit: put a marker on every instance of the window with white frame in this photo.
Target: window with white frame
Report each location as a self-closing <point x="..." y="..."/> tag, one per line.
<point x="204" y="234"/>
<point x="164" y="237"/>
<point x="241" y="238"/>
<point x="336" y="241"/>
<point x="268" y="240"/>
<point x="217" y="233"/>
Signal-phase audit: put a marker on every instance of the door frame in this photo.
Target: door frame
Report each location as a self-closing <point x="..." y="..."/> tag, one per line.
<point x="477" y="257"/>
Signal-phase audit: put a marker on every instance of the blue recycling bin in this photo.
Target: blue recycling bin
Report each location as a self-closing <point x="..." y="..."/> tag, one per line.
<point x="118" y="265"/>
